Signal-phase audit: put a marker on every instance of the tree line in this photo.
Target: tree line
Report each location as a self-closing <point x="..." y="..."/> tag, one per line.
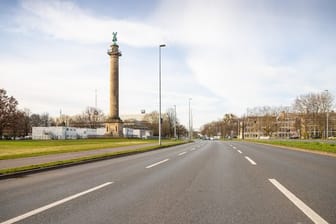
<point x="167" y="124"/>
<point x="310" y="115"/>
<point x="17" y="123"/>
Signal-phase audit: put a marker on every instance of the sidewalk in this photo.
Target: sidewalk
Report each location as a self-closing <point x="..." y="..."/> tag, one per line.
<point x="14" y="163"/>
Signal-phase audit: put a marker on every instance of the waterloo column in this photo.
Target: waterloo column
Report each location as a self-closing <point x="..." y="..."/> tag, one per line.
<point x="114" y="124"/>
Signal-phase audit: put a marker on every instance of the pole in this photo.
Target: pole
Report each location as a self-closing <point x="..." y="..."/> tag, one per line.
<point x="191" y="124"/>
<point x="327" y="134"/>
<point x="161" y="45"/>
<point x="175" y="122"/>
<point x="189" y="121"/>
<point x="327" y="124"/>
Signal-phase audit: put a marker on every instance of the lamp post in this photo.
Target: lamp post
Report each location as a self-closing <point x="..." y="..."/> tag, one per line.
<point x="160" y="46"/>
<point x="327" y="118"/>
<point x="175" y="122"/>
<point x="189" y="120"/>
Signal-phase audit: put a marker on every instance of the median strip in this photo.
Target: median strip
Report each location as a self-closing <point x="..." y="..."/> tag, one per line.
<point x="9" y="172"/>
<point x="54" y="204"/>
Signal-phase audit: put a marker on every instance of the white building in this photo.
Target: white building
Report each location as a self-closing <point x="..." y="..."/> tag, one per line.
<point x="47" y="133"/>
<point x="136" y="133"/>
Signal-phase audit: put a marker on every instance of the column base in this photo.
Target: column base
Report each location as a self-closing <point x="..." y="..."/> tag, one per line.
<point x="114" y="127"/>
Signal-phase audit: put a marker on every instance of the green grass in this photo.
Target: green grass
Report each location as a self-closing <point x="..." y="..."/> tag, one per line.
<point x="323" y="146"/>
<point x="88" y="158"/>
<point x="30" y="148"/>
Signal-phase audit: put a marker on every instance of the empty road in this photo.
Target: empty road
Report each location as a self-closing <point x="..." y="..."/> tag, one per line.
<point x="201" y="182"/>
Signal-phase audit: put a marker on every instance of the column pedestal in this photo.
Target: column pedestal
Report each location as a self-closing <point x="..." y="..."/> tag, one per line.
<point x="114" y="127"/>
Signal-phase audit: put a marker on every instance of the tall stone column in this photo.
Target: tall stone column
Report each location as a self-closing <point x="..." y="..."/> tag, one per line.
<point x="114" y="124"/>
<point x="114" y="81"/>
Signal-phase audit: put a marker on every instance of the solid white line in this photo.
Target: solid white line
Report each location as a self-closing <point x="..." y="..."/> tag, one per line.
<point x="300" y="204"/>
<point x="155" y="164"/>
<point x="250" y="160"/>
<point x="239" y="151"/>
<point x="56" y="203"/>
<point x="182" y="153"/>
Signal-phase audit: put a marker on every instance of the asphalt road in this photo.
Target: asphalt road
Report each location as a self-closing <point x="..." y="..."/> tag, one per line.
<point x="202" y="182"/>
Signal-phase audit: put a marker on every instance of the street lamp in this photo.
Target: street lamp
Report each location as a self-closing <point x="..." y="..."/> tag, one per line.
<point x="327" y="134"/>
<point x="160" y="46"/>
<point x="175" y="122"/>
<point x="189" y="120"/>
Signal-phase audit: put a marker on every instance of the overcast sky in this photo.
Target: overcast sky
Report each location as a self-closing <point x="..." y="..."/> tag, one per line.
<point x="227" y="55"/>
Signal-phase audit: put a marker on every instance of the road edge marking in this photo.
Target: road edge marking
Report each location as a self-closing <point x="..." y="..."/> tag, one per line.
<point x="300" y="204"/>
<point x="154" y="164"/>
<point x="54" y="204"/>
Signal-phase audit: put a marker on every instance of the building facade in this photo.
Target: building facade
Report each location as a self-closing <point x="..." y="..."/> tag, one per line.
<point x="289" y="125"/>
<point x="62" y="133"/>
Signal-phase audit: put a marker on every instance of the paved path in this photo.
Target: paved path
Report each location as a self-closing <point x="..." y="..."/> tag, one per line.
<point x="12" y="163"/>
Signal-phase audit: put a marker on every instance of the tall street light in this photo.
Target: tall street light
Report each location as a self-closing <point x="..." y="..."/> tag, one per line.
<point x="175" y="122"/>
<point x="189" y="120"/>
<point x="327" y="134"/>
<point x="160" y="120"/>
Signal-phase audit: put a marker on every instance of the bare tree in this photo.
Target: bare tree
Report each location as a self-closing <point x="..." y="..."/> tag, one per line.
<point x="17" y="124"/>
<point x="7" y="110"/>
<point x="46" y="121"/>
<point x="167" y="128"/>
<point x="27" y="128"/>
<point x="35" y="120"/>
<point x="152" y="119"/>
<point x="91" y="118"/>
<point x="94" y="116"/>
<point x="312" y="108"/>
<point x="170" y="119"/>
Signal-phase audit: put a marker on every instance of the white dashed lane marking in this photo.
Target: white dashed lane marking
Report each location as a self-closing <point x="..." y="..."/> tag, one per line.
<point x="155" y="164"/>
<point x="250" y="160"/>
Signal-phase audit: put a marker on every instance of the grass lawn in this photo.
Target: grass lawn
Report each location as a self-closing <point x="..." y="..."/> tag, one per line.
<point x="88" y="158"/>
<point x="29" y="148"/>
<point x="323" y="146"/>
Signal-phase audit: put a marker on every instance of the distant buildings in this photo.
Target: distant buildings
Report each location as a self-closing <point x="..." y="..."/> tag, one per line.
<point x="60" y="132"/>
<point x="288" y="125"/>
<point x="283" y="125"/>
<point x="134" y="127"/>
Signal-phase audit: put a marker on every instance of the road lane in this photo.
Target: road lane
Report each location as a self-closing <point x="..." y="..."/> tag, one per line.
<point x="311" y="177"/>
<point x="316" y="218"/>
<point x="209" y="184"/>
<point x="17" y="195"/>
<point x="54" y="204"/>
